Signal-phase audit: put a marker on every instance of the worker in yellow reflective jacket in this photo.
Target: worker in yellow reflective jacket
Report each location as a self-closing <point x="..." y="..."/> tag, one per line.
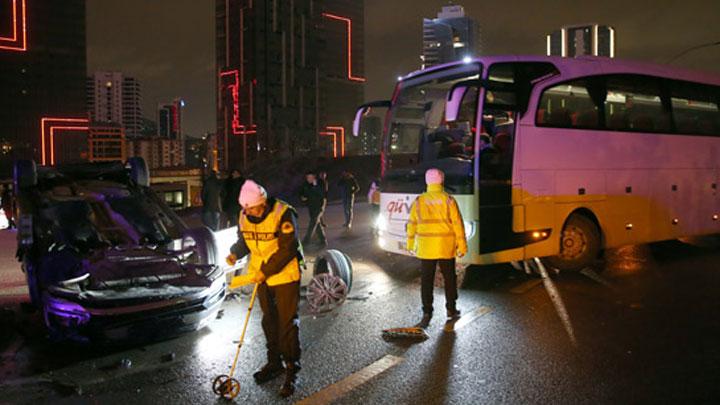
<point x="436" y="235"/>
<point x="267" y="230"/>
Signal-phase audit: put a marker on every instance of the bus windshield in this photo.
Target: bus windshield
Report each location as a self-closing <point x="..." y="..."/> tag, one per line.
<point x="419" y="138"/>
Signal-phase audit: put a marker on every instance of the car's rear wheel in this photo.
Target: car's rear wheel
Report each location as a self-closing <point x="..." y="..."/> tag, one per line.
<point x="580" y="244"/>
<point x="203" y="242"/>
<point x="139" y="172"/>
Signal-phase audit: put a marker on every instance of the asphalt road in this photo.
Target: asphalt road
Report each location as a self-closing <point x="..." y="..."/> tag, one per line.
<point x="642" y="328"/>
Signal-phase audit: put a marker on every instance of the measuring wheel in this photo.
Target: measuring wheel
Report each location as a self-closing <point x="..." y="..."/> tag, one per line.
<point x="226" y="386"/>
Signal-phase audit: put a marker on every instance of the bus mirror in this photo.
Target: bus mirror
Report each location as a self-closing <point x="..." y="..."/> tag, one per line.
<point x="363" y="110"/>
<point x="455" y="98"/>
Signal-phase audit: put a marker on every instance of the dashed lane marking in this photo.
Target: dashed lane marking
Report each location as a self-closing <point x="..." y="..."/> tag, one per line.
<point x="526" y="286"/>
<point x="466" y="319"/>
<point x="335" y="391"/>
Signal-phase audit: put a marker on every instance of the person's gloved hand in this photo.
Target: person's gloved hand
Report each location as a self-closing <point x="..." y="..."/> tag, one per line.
<point x="231" y="259"/>
<point x="245" y="279"/>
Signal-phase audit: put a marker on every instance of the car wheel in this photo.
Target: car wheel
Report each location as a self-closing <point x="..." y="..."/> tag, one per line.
<point x="336" y="263"/>
<point x="203" y="241"/>
<point x="580" y="244"/>
<point x="25" y="174"/>
<point x="139" y="172"/>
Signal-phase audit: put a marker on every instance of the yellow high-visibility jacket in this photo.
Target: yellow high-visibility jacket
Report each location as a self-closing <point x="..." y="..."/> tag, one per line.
<point x="262" y="239"/>
<point x="435" y="228"/>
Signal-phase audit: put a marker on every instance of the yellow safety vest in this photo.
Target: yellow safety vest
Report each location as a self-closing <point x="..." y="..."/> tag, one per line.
<point x="262" y="240"/>
<point x="435" y="228"/>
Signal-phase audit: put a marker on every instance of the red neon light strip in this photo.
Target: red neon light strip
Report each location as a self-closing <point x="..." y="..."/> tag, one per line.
<point x="349" y="45"/>
<point x="50" y="124"/>
<point x="334" y="136"/>
<point x="14" y="43"/>
<point x="342" y="137"/>
<point x="237" y="127"/>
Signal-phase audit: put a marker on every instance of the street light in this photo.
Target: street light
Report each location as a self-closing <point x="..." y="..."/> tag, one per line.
<point x="694" y="48"/>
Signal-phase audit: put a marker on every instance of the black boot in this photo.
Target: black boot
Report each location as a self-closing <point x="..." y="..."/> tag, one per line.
<point x="453" y="313"/>
<point x="288" y="387"/>
<point x="268" y="372"/>
<point x="425" y="321"/>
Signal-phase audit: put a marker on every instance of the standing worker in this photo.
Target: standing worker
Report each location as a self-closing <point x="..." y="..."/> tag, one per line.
<point x="267" y="230"/>
<point x="348" y="187"/>
<point x="231" y="206"/>
<point x="436" y="235"/>
<point x="374" y="201"/>
<point x="212" y="191"/>
<point x="313" y="193"/>
<point x="8" y="206"/>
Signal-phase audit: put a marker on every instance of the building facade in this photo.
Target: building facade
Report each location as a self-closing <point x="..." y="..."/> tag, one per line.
<point x="170" y="119"/>
<point x="585" y="39"/>
<point x="106" y="143"/>
<point x="42" y="77"/>
<point x="289" y="77"/>
<point x="450" y="37"/>
<point x="158" y="152"/>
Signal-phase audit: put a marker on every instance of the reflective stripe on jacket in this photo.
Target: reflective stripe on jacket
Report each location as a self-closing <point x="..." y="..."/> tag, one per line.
<point x="262" y="241"/>
<point x="435" y="228"/>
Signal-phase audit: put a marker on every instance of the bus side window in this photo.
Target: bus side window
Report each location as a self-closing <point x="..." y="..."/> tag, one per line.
<point x="633" y="103"/>
<point x="568" y="105"/>
<point x="695" y="108"/>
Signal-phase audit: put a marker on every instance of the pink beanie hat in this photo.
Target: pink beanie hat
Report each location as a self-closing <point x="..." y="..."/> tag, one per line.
<point x="434" y="176"/>
<point x="252" y="194"/>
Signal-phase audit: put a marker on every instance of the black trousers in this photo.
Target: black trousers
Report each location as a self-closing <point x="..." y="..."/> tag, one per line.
<point x="348" y="202"/>
<point x="315" y="226"/>
<point x="447" y="267"/>
<point x="280" y="322"/>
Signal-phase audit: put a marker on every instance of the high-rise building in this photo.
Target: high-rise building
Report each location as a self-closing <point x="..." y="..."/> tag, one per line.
<point x="169" y="123"/>
<point x="584" y="39"/>
<point x="290" y="75"/>
<point x="106" y="142"/>
<point x="42" y="77"/>
<point x="370" y="135"/>
<point x="115" y="98"/>
<point x="158" y="152"/>
<point x="450" y="37"/>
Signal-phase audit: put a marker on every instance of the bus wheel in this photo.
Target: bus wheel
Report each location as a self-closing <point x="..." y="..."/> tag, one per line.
<point x="580" y="244"/>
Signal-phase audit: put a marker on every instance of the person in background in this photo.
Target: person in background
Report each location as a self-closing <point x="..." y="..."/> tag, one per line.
<point x="312" y="193"/>
<point x="348" y="187"/>
<point x="323" y="176"/>
<point x="268" y="232"/>
<point x="436" y="235"/>
<point x="212" y="193"/>
<point x="6" y="198"/>
<point x="231" y="206"/>
<point x="373" y="197"/>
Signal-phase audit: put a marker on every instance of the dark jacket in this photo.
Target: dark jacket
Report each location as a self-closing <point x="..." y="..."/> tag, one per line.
<point x="232" y="193"/>
<point x="289" y="245"/>
<point x="314" y="195"/>
<point x="348" y="186"/>
<point x="212" y="193"/>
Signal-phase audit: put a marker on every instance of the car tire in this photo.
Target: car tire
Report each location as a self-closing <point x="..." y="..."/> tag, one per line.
<point x="24" y="174"/>
<point x="205" y="248"/>
<point x="139" y="172"/>
<point x="337" y="263"/>
<point x="580" y="245"/>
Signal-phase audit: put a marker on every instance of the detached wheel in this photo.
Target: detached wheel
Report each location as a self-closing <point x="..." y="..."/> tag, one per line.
<point x="336" y="263"/>
<point x="203" y="242"/>
<point x="580" y="244"/>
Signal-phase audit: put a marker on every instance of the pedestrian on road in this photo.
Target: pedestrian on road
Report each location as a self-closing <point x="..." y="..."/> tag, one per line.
<point x="313" y="193"/>
<point x="267" y="230"/>
<point x="323" y="177"/>
<point x="436" y="235"/>
<point x="348" y="187"/>
<point x="374" y="201"/>
<point x="231" y="206"/>
<point x="8" y="206"/>
<point x="212" y="191"/>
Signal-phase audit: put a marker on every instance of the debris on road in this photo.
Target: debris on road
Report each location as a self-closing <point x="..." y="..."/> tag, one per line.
<point x="414" y="333"/>
<point x="168" y="357"/>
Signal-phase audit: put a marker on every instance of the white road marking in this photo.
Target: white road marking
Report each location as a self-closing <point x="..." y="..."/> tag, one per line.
<point x="335" y="391"/>
<point x="557" y="301"/>
<point x="466" y="319"/>
<point x="592" y="274"/>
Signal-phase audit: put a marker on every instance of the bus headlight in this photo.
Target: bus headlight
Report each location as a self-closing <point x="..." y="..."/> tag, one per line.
<point x="381" y="223"/>
<point x="469" y="229"/>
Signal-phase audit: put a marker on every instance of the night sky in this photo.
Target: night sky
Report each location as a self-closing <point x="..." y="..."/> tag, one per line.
<point x="169" y="44"/>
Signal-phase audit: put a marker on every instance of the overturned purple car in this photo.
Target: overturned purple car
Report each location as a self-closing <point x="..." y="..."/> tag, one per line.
<point x="106" y="260"/>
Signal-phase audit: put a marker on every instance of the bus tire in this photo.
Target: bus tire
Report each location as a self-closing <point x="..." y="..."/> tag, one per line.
<point x="580" y="244"/>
